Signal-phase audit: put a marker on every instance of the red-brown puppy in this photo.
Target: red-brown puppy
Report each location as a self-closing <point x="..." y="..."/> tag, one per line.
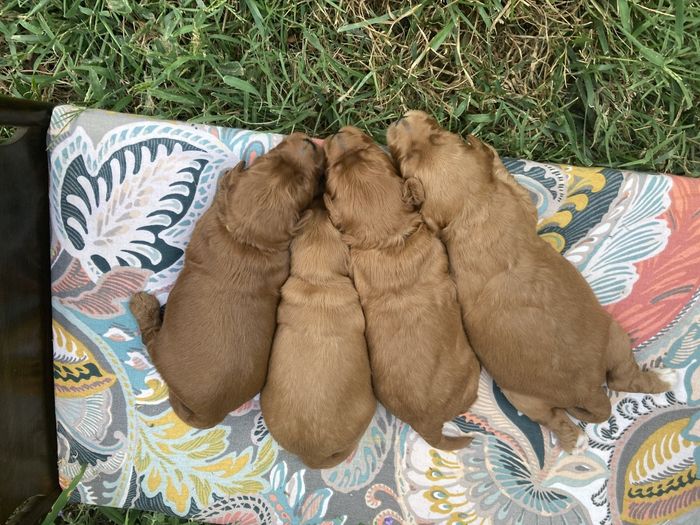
<point x="213" y="345"/>
<point x="423" y="369"/>
<point x="534" y="322"/>
<point x="318" y="398"/>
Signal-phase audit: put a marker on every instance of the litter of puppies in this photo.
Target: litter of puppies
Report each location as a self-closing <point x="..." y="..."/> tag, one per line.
<point x="408" y="275"/>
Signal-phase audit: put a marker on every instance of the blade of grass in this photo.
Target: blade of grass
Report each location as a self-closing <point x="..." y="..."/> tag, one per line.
<point x="628" y="73"/>
<point x="63" y="498"/>
<point x="241" y="85"/>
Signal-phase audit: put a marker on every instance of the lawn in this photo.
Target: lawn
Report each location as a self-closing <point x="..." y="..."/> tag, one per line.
<point x="590" y="82"/>
<point x="587" y="82"/>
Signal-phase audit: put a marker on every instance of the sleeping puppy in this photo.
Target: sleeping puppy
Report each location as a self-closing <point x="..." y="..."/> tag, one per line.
<point x="534" y="322"/>
<point x="213" y="345"/>
<point x="318" y="398"/>
<point x="423" y="369"/>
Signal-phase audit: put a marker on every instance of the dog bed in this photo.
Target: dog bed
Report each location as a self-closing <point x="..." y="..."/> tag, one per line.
<point x="125" y="193"/>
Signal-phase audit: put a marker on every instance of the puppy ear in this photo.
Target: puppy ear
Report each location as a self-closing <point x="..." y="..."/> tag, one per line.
<point x="500" y="173"/>
<point x="227" y="179"/>
<point x="330" y="207"/>
<point x="301" y="223"/>
<point x="348" y="266"/>
<point x="226" y="183"/>
<point x="413" y="192"/>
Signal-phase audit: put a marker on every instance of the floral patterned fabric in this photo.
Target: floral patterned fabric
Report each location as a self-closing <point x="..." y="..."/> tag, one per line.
<point x="125" y="194"/>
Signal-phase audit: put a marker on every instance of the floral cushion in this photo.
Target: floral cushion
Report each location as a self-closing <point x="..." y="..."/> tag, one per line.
<point x="125" y="194"/>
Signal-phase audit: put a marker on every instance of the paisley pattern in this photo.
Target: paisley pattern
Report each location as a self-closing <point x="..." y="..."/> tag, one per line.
<point x="589" y="194"/>
<point x="657" y="473"/>
<point x="125" y="195"/>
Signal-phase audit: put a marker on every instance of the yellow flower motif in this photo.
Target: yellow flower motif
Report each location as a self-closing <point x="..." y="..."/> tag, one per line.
<point x="580" y="184"/>
<point x="156" y="392"/>
<point x="187" y="465"/>
<point x="76" y="371"/>
<point x="555" y="239"/>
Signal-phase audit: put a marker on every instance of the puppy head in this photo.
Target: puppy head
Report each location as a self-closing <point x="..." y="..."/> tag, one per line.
<point x="364" y="191"/>
<point x="413" y="137"/>
<point x="262" y="203"/>
<point x="348" y="145"/>
<point x="296" y="166"/>
<point x="451" y="170"/>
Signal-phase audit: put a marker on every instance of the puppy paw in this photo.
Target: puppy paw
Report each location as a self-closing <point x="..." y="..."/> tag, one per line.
<point x="227" y="179"/>
<point x="581" y="444"/>
<point x="572" y="439"/>
<point x="667" y="376"/>
<point x="413" y="191"/>
<point x="473" y="142"/>
<point x="144" y="305"/>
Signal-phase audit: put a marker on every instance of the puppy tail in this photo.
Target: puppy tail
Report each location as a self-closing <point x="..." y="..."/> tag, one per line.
<point x="436" y="439"/>
<point x="146" y="310"/>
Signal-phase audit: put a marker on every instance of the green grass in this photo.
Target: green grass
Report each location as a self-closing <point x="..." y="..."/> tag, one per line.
<point x="89" y="515"/>
<point x="590" y="81"/>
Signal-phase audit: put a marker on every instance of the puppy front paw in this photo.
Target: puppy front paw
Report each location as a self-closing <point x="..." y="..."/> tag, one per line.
<point x="143" y="305"/>
<point x="413" y="191"/>
<point x="572" y="439"/>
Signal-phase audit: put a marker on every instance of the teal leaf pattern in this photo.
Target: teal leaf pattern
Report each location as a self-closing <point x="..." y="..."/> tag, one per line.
<point x="363" y="465"/>
<point x="294" y="506"/>
<point x="628" y="233"/>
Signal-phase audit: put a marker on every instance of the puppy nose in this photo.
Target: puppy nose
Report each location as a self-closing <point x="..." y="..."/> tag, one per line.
<point x="311" y="143"/>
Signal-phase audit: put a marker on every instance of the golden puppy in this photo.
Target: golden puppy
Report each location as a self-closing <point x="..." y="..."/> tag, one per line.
<point x="423" y="369"/>
<point x="318" y="398"/>
<point x="213" y="346"/>
<point x="534" y="322"/>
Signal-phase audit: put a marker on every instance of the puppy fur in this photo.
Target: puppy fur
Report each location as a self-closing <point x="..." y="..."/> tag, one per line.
<point x="423" y="369"/>
<point x="318" y="398"/>
<point x="213" y="345"/>
<point x="532" y="319"/>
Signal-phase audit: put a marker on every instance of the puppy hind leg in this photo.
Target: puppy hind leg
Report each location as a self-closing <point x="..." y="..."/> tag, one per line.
<point x="623" y="372"/>
<point x="570" y="436"/>
<point x="146" y="309"/>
